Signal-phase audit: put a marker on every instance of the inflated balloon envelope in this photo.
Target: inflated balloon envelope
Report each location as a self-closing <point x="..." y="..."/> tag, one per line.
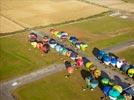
<point x="114" y="93"/>
<point x="105" y="81"/>
<point x="94" y="83"/>
<point x="106" y="90"/>
<point x="52" y="43"/>
<point x="118" y="88"/>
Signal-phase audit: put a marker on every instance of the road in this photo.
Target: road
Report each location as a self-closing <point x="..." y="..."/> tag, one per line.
<point x="6" y="88"/>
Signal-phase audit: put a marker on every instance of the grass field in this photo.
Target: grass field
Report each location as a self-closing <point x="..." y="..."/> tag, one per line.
<point x="18" y="57"/>
<point x="56" y="87"/>
<point x="102" y="32"/>
<point x="128" y="55"/>
<point x="44" y="12"/>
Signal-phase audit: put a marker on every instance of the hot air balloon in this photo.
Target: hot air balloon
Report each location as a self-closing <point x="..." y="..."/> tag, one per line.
<point x="57" y="47"/>
<point x="105" y="81"/>
<point x="83" y="46"/>
<point x="78" y="45"/>
<point x="125" y="68"/>
<point x="73" y="55"/>
<point x="34" y="44"/>
<point x="88" y="79"/>
<point x="94" y="83"/>
<point x="121" y="97"/>
<point x="106" y="90"/>
<point x="101" y="54"/>
<point x="73" y="40"/>
<point x="119" y="63"/>
<point x="64" y="35"/>
<point x="52" y="43"/>
<point x="130" y="72"/>
<point x="114" y="93"/>
<point x="55" y="33"/>
<point x="33" y="37"/>
<point x="89" y="65"/>
<point x="45" y="39"/>
<point x="64" y="51"/>
<point x="118" y="88"/>
<point x="79" y="62"/>
<point x="45" y="48"/>
<point x="106" y="59"/>
<point x="97" y="73"/>
<point x="59" y="34"/>
<point x="68" y="53"/>
<point x="39" y="45"/>
<point x="113" y="61"/>
<point x="70" y="70"/>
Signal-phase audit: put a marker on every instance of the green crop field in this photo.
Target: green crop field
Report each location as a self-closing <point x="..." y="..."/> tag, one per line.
<point x="128" y="55"/>
<point x="18" y="57"/>
<point x="56" y="87"/>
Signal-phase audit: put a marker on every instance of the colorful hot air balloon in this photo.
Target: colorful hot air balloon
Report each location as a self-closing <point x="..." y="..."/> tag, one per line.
<point x="68" y="53"/>
<point x="106" y="90"/>
<point x="105" y="81"/>
<point x="59" y="34"/>
<point x="121" y="97"/>
<point x="33" y="37"/>
<point x="94" y="83"/>
<point x="64" y="35"/>
<point x="39" y="45"/>
<point x="125" y="68"/>
<point x="70" y="70"/>
<point x="131" y="72"/>
<point x="45" y="39"/>
<point x="100" y="54"/>
<point x="64" y="51"/>
<point x="34" y="44"/>
<point x="88" y="79"/>
<point x="118" y="88"/>
<point x="97" y="73"/>
<point x="89" y="65"/>
<point x="57" y="47"/>
<point x="52" y="43"/>
<point x="119" y="63"/>
<point x="73" y="40"/>
<point x="78" y="45"/>
<point x="73" y="55"/>
<point x="113" y="61"/>
<point x="106" y="59"/>
<point x="83" y="46"/>
<point x="55" y="33"/>
<point x="79" y="62"/>
<point x="114" y="93"/>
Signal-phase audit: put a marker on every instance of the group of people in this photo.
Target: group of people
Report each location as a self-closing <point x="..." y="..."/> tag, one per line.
<point x="111" y="59"/>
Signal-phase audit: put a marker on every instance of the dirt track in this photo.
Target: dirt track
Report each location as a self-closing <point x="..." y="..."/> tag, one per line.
<point x="7" y="88"/>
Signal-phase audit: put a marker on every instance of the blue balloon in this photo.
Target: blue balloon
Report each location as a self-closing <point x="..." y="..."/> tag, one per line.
<point x="100" y="54"/>
<point x="113" y="61"/>
<point x="106" y="90"/>
<point x="114" y="93"/>
<point x="106" y="58"/>
<point x="94" y="83"/>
